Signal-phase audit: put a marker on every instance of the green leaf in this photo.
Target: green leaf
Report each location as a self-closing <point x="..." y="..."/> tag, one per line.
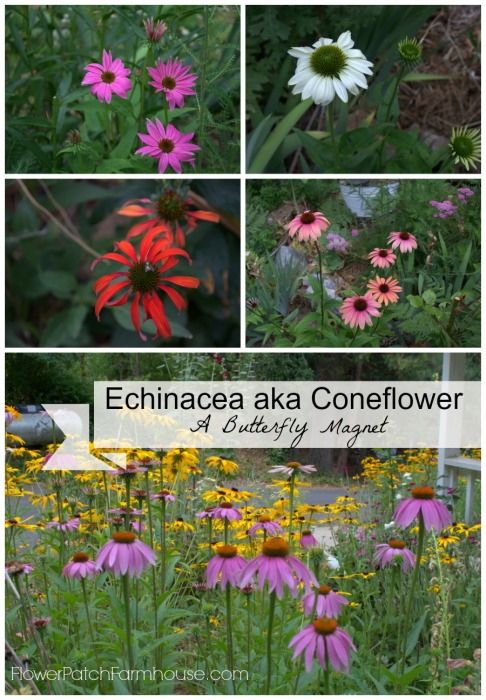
<point x="410" y="77"/>
<point x="416" y="302"/>
<point x="64" y="327"/>
<point x="277" y="137"/>
<point x="114" y="165"/>
<point x="124" y="147"/>
<point x="429" y="297"/>
<point x="61" y="284"/>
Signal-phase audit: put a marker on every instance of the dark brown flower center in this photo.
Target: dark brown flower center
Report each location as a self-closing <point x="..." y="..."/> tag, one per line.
<point x="396" y="544"/>
<point x="384" y="288"/>
<point x="80" y="557"/>
<point x="226" y="504"/>
<point x="383" y="253"/>
<point x="164" y="492"/>
<point x="360" y="304"/>
<point x="264" y="519"/>
<point x="124" y="537"/>
<point x="424" y="493"/>
<point x="108" y="77"/>
<point x="307" y="217"/>
<point x="144" y="278"/>
<point x="170" y="206"/>
<point x="227" y="551"/>
<point x="306" y="533"/>
<point x="324" y="590"/>
<point x="276" y="547"/>
<point x="168" y="82"/>
<point x="293" y="465"/>
<point x="404" y="236"/>
<point x="166" y="145"/>
<point x="325" y="625"/>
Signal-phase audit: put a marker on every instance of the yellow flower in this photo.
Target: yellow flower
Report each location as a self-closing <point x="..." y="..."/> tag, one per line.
<point x="224" y="465"/>
<point x="446" y="559"/>
<point x="13" y="411"/>
<point x="434" y="589"/>
<point x="445" y="540"/>
<point x="214" y="621"/>
<point x="15" y="522"/>
<point x="44" y="501"/>
<point x="180" y="524"/>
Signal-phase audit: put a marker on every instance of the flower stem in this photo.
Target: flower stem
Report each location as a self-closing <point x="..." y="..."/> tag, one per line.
<point x="142" y="88"/>
<point x="127" y="498"/>
<point x="166" y="110"/>
<point x="126" y="598"/>
<point x="330" y="126"/>
<point x="88" y="619"/>
<point x="202" y="105"/>
<point x="229" y="631"/>
<point x="271" y="615"/>
<point x="321" y="280"/>
<point x="389" y="108"/>
<point x="326" y="674"/>
<point x="388" y="610"/>
<point x="162" y="537"/>
<point x="108" y="127"/>
<point x="420" y="547"/>
<point x="291" y="509"/>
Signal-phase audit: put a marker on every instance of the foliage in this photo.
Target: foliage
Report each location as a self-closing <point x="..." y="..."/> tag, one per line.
<point x="49" y="285"/>
<point x="46" y="50"/>
<point x="441" y="292"/>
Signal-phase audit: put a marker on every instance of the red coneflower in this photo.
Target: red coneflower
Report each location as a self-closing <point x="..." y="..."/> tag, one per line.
<point x="144" y="277"/>
<point x="169" y="211"/>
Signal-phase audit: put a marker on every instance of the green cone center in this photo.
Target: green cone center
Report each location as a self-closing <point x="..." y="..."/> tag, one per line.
<point x="170" y="206"/>
<point x="463" y="146"/>
<point x="328" y="61"/>
<point x="144" y="277"/>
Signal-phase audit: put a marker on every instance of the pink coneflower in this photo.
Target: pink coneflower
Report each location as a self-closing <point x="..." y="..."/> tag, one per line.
<point x="154" y="32"/>
<point x="434" y="513"/>
<point x="386" y="553"/>
<point x="266" y="524"/>
<point x="64" y="525"/>
<point x="354" y="232"/>
<point x="226" y="511"/>
<point x="381" y="257"/>
<point x="208" y="512"/>
<point x="384" y="290"/>
<point x="168" y="144"/>
<point x="40" y="623"/>
<point x="123" y="511"/>
<point x="15" y="568"/>
<point x="308" y="226"/>
<point x="403" y="240"/>
<point x="124" y="553"/>
<point x="130" y="470"/>
<point x="277" y="566"/>
<point x="329" y="603"/>
<point x="228" y="563"/>
<point x="111" y="77"/>
<point x="163" y="495"/>
<point x="308" y="540"/>
<point x="174" y="79"/>
<point x="80" y="567"/>
<point x="293" y="467"/>
<point x="323" y="639"/>
<point x="358" y="310"/>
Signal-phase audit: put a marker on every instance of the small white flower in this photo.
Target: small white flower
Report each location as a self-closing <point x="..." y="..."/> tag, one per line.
<point x="387" y="526"/>
<point x="332" y="562"/>
<point x="329" y="69"/>
<point x="398" y="497"/>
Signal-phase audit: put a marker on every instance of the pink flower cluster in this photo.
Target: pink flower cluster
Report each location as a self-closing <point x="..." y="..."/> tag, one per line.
<point x="445" y="208"/>
<point x="336" y="242"/>
<point x="173" y="79"/>
<point x="464" y="192"/>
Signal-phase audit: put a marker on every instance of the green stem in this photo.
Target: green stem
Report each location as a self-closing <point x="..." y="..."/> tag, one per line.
<point x="202" y="76"/>
<point x="321" y="282"/>
<point x="271" y="615"/>
<point x="388" y="610"/>
<point x="55" y="110"/>
<point x="389" y="108"/>
<point x="416" y="571"/>
<point x="326" y="673"/>
<point x="126" y="598"/>
<point x="162" y="537"/>
<point x="108" y="126"/>
<point x="330" y="126"/>
<point x="166" y="110"/>
<point x="142" y="88"/>
<point x="229" y="631"/>
<point x="291" y="509"/>
<point x="88" y="619"/>
<point x="127" y="505"/>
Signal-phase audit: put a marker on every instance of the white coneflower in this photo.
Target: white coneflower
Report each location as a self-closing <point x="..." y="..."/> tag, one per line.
<point x="465" y="145"/>
<point x="328" y="69"/>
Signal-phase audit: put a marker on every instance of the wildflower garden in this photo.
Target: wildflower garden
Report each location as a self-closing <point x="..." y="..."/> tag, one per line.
<point x="122" y="263"/>
<point x="363" y="89"/>
<point x="363" y="263"/>
<point x="250" y="572"/>
<point x="122" y="89"/>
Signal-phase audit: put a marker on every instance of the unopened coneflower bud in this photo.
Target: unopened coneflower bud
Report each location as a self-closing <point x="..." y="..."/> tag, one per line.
<point x="410" y="52"/>
<point x="154" y="31"/>
<point x="74" y="136"/>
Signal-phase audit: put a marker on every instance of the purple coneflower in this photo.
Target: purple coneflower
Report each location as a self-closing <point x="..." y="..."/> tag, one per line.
<point x="266" y="524"/>
<point x="124" y="553"/>
<point x="325" y="641"/>
<point x="15" y="568"/>
<point x="107" y="78"/>
<point x="434" y="513"/>
<point x="328" y="604"/>
<point x="123" y="511"/>
<point x="226" y="511"/>
<point x="277" y="566"/>
<point x="292" y="467"/>
<point x="308" y="540"/>
<point x="228" y="563"/>
<point x="64" y="525"/>
<point x="80" y="567"/>
<point x="163" y="495"/>
<point x="386" y="553"/>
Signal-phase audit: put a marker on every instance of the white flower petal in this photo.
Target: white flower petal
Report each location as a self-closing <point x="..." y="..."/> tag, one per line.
<point x="309" y="87"/>
<point x="300" y="51"/>
<point x="322" y="42"/>
<point x="340" y="89"/>
<point x="344" y="41"/>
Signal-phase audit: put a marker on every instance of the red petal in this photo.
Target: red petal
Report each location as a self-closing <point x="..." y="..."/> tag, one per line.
<point x="148" y="240"/>
<point x="104" y="281"/>
<point x="205" y="215"/>
<point x="180" y="238"/>
<point x="135" y="314"/>
<point x="107" y="294"/>
<point x="190" y="282"/>
<point x="140" y="228"/>
<point x="174" y="296"/>
<point x="155" y="310"/>
<point x="134" y="210"/>
<point x="122" y="300"/>
<point x="128" y="249"/>
<point x="159" y="253"/>
<point x="170" y="262"/>
<point x="112" y="256"/>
